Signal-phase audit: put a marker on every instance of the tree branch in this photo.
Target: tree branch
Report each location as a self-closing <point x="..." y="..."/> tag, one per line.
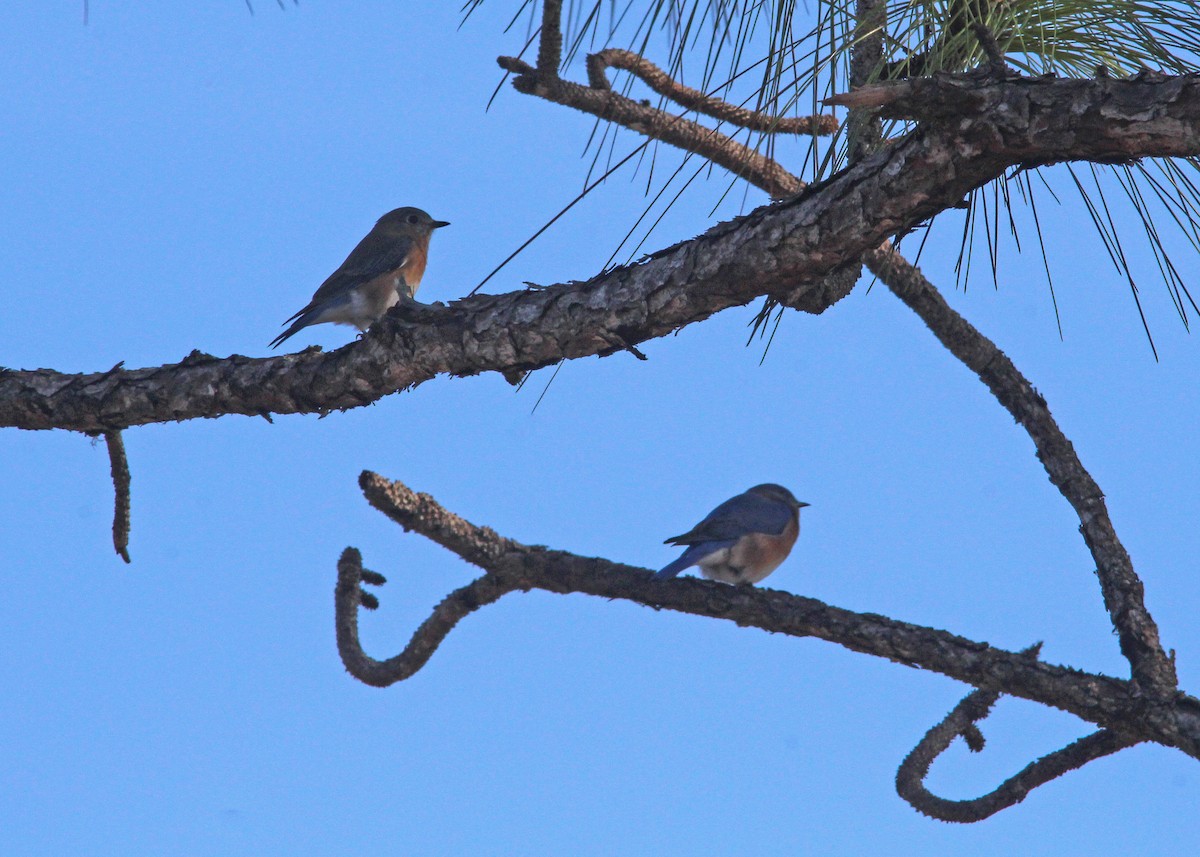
<point x="783" y="249"/>
<point x="1120" y="586"/>
<point x="693" y="99"/>
<point x="348" y="597"/>
<point x="863" y="137"/>
<point x="946" y="98"/>
<point x="910" y="779"/>
<point x="866" y="53"/>
<point x="657" y="124"/>
<point x="1119" y="583"/>
<point x="1110" y="702"/>
<point x="550" y="42"/>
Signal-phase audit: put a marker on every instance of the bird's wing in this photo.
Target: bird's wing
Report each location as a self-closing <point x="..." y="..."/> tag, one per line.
<point x="375" y="255"/>
<point x="745" y="513"/>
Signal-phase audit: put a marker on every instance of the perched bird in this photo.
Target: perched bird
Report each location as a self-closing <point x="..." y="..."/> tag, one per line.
<point x="384" y="268"/>
<point x="742" y="540"/>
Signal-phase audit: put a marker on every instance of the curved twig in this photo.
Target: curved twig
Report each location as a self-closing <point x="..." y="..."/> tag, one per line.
<point x="348" y="597"/>
<point x="694" y="99"/>
<point x="1109" y="702"/>
<point x="719" y="148"/>
<point x="910" y="778"/>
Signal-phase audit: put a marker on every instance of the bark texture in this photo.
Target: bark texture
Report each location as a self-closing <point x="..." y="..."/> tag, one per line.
<point x="782" y="250"/>
<point x="509" y="565"/>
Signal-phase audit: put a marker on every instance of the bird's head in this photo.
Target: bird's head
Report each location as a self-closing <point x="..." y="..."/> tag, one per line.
<point x="410" y="219"/>
<point x="778" y="494"/>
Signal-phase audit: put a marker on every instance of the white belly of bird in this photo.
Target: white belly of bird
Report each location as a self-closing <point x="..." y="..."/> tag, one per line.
<point x="732" y="565"/>
<point x="393" y="297"/>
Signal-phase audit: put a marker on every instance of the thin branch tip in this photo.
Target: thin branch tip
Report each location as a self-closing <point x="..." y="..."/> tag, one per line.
<point x="550" y="41"/>
<point x="515" y="65"/>
<point x="119" y="470"/>
<point x="693" y="99"/>
<point x="868" y="97"/>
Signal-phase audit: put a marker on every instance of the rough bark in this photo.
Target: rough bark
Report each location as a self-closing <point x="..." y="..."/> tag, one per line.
<point x="1112" y="703"/>
<point x="776" y="250"/>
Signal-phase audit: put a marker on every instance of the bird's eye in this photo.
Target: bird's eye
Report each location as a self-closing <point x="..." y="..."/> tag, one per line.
<point x="412" y="218"/>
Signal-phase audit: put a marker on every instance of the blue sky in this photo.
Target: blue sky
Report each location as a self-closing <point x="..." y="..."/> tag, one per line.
<point x="182" y="176"/>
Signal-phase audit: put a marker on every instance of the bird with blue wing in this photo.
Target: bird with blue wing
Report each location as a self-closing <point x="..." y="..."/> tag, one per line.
<point x="385" y="268"/>
<point x="744" y="539"/>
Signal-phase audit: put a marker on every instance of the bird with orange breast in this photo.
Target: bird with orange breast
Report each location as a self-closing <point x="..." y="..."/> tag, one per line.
<point x="385" y="268"/>
<point x="744" y="539"/>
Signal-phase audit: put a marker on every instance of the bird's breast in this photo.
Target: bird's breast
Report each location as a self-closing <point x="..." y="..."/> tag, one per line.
<point x="753" y="557"/>
<point x="413" y="269"/>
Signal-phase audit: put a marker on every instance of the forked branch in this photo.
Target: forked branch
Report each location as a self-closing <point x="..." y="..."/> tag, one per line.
<point x="719" y="148"/>
<point x="956" y="99"/>
<point x="509" y="565"/>
<point x="993" y="97"/>
<point x="693" y="99"/>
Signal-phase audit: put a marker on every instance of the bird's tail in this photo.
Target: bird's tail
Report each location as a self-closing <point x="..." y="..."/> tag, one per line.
<point x="673" y="569"/>
<point x="692" y="556"/>
<point x="303" y="320"/>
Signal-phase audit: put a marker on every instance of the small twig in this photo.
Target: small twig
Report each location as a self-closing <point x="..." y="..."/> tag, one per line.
<point x="987" y="41"/>
<point x="657" y="124"/>
<point x="871" y="96"/>
<point x="693" y="99"/>
<point x="119" y="466"/>
<point x="348" y="597"/>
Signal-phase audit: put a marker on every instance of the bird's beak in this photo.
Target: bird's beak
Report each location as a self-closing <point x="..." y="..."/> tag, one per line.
<point x="438" y="224"/>
<point x="800" y="504"/>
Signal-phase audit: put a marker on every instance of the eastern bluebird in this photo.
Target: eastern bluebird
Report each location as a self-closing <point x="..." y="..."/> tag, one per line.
<point x="742" y="540"/>
<point x="385" y="266"/>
